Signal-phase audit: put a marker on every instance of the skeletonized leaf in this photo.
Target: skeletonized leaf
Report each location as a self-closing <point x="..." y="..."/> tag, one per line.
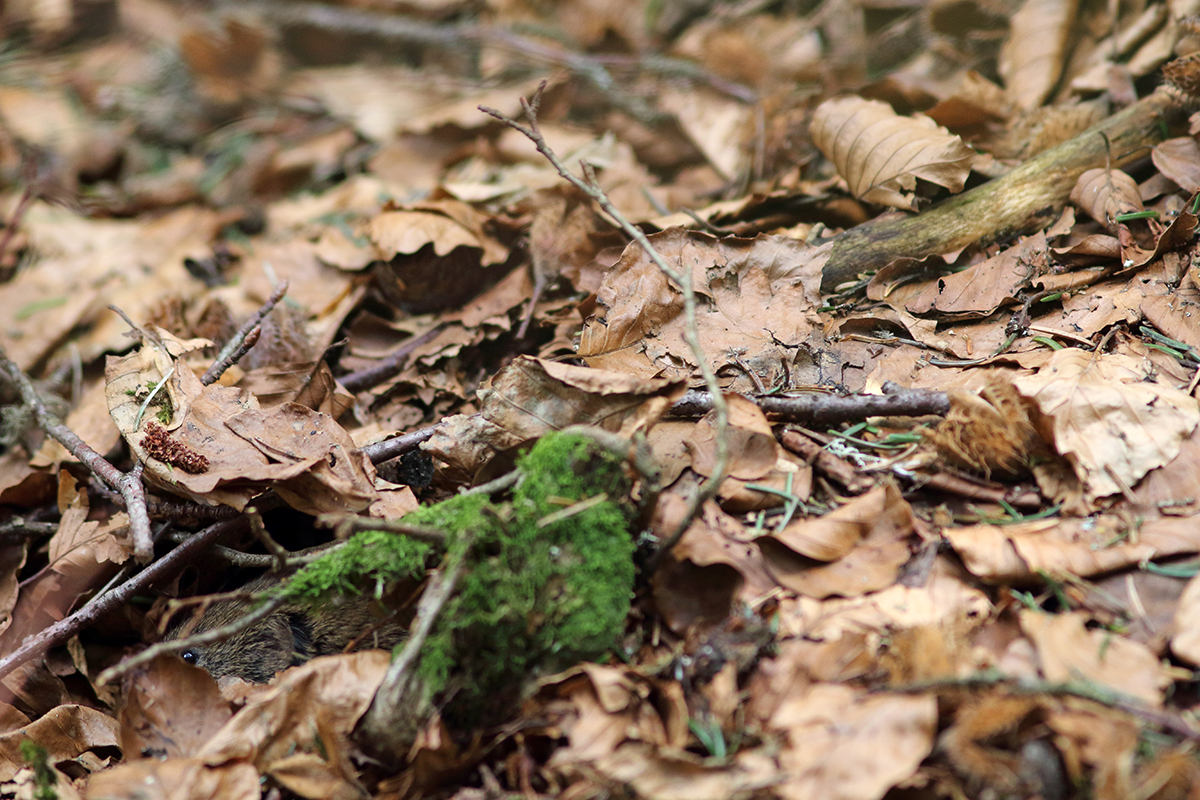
<point x="1032" y="57"/>
<point x="881" y="154"/>
<point x="1105" y="193"/>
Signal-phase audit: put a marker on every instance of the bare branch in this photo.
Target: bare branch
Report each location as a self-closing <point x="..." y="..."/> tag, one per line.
<point x="682" y="277"/>
<point x="391" y="723"/>
<point x="399" y="445"/>
<point x="236" y="347"/>
<point x="822" y="408"/>
<point x="133" y="492"/>
<point x="391" y="366"/>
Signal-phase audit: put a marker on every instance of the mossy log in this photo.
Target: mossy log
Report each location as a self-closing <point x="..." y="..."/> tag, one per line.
<point x="1026" y="199"/>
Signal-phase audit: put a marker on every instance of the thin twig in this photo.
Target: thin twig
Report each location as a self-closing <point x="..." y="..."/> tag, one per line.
<point x="822" y="408"/>
<point x="107" y="602"/>
<point x="236" y="347"/>
<point x="682" y="278"/>
<point x="133" y="492"/>
<point x="592" y="68"/>
<point x="391" y="366"/>
<point x="345" y="524"/>
<point x="295" y="558"/>
<point x="222" y="364"/>
<point x="277" y="552"/>
<point x="388" y="449"/>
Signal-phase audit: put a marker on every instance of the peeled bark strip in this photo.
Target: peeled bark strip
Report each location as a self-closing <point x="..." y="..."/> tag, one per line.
<point x="1026" y="199"/>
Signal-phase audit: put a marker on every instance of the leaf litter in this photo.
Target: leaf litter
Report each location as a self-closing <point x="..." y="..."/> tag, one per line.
<point x="991" y="601"/>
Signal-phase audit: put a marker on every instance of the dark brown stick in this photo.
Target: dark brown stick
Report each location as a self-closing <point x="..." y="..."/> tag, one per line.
<point x="1024" y="200"/>
<point x="818" y="408"/>
<point x="236" y="347"/>
<point x="389" y="367"/>
<point x="133" y="492"/>
<point x="398" y="446"/>
<point x="837" y="468"/>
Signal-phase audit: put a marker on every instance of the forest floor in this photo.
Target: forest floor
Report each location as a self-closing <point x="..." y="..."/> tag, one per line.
<point x="890" y="309"/>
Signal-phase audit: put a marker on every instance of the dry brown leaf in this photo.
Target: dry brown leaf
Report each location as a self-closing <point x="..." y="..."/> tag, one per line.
<point x="1179" y="160"/>
<point x="215" y="445"/>
<point x="66" y="731"/>
<point x="1185" y="638"/>
<point x="865" y="542"/>
<point x="847" y="744"/>
<point x="982" y="288"/>
<point x="944" y="599"/>
<point x="171" y="709"/>
<point x="1032" y="56"/>
<point x="616" y="734"/>
<point x="710" y="568"/>
<point x="1068" y="651"/>
<point x="326" y="695"/>
<point x="1105" y="740"/>
<point x="1110" y="423"/>
<point x="1019" y="553"/>
<point x="84" y="554"/>
<point x="1104" y="194"/>
<point x="881" y="154"/>
<point x="755" y="298"/>
<point x="176" y="779"/>
<point x="756" y="460"/>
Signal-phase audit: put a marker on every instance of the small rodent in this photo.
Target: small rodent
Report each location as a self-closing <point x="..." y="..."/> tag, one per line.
<point x="287" y="637"/>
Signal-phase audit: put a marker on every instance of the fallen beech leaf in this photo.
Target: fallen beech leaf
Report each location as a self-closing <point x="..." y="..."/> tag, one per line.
<point x="1110" y="423"/>
<point x="1185" y="641"/>
<point x="66" y="731"/>
<point x="851" y="745"/>
<point x="981" y="288"/>
<point x="709" y="568"/>
<point x="325" y="696"/>
<point x="1019" y="553"/>
<point x="1068" y="651"/>
<point x="881" y="154"/>
<point x="755" y="299"/>
<point x="176" y="779"/>
<point x="171" y="709"/>
<point x="865" y="542"/>
<point x="1179" y="160"/>
<point x="1104" y="194"/>
<point x="1032" y="56"/>
<point x="532" y="396"/>
<point x="944" y="599"/>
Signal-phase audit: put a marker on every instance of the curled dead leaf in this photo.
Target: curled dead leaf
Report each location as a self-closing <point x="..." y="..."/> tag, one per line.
<point x="881" y="154"/>
<point x="1111" y="423"/>
<point x="1104" y="194"/>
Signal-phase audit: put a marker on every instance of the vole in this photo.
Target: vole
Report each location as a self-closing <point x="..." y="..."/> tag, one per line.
<point x="287" y="637"/>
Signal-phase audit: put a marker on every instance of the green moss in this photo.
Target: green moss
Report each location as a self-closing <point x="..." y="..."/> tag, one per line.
<point x="548" y="580"/>
<point x="370" y="556"/>
<point x="546" y="589"/>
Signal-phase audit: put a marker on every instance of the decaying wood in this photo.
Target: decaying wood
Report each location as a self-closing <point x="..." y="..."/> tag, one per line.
<point x="1026" y="199"/>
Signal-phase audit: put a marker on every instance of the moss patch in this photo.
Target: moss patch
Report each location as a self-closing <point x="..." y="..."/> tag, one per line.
<point x="549" y="582"/>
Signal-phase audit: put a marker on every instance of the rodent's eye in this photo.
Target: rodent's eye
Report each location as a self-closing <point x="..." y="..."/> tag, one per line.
<point x="190" y="656"/>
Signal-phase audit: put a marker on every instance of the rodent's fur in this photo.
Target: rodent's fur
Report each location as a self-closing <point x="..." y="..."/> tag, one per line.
<point x="287" y="637"/>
